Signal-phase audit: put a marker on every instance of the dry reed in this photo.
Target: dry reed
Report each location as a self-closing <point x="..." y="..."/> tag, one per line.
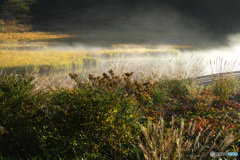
<point x="173" y="68"/>
<point x="159" y="142"/>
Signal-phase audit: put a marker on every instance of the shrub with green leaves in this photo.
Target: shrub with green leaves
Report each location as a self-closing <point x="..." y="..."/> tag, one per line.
<point x="94" y="119"/>
<point x="15" y="89"/>
<point x="19" y="136"/>
<point x="89" y="120"/>
<point x="159" y="96"/>
<point x="177" y="86"/>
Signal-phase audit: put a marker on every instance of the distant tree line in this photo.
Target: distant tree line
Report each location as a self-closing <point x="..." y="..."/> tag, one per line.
<point x="197" y="7"/>
<point x="224" y="13"/>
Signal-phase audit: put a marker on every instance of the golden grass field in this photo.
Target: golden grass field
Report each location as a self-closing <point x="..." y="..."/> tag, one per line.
<point x="22" y="48"/>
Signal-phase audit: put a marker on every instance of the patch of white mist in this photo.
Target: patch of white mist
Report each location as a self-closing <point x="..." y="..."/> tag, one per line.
<point x="223" y="58"/>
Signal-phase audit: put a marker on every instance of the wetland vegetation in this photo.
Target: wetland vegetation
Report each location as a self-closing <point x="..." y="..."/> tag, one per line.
<point x="85" y="94"/>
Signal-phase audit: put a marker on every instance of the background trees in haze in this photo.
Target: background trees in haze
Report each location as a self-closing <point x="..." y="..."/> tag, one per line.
<point x="221" y="15"/>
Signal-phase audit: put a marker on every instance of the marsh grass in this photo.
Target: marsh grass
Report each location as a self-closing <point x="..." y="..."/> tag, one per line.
<point x="7" y="26"/>
<point x="29" y="50"/>
<point x="148" y="46"/>
<point x="46" y="83"/>
<point x="35" y="47"/>
<point x="125" y="53"/>
<point x="168" y="67"/>
<point x="223" y="85"/>
<point x="24" y="37"/>
<point x="159" y="142"/>
<point x="163" y="71"/>
<point x="219" y="65"/>
<point x="21" y="49"/>
<point x="185" y="68"/>
<point x="42" y="62"/>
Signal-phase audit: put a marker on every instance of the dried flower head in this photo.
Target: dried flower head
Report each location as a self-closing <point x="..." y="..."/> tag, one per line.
<point x="111" y="72"/>
<point x="104" y="74"/>
<point x="129" y="74"/>
<point x="73" y="75"/>
<point x="91" y="77"/>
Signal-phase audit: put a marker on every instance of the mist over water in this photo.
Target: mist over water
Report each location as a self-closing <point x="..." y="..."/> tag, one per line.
<point x="190" y="60"/>
<point x="206" y="33"/>
<point x="229" y="53"/>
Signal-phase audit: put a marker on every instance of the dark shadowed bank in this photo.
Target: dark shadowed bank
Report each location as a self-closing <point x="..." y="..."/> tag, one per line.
<point x="184" y="22"/>
<point x="220" y="15"/>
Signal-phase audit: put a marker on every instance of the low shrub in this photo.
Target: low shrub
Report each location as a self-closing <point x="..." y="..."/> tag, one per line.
<point x="19" y="136"/>
<point x="223" y="86"/>
<point x="92" y="120"/>
<point x="175" y="86"/>
<point x="159" y="96"/>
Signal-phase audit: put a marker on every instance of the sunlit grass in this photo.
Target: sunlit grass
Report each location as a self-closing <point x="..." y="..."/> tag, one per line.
<point x="38" y="59"/>
<point x="17" y="46"/>
<point x="134" y="52"/>
<point x="11" y="58"/>
<point x="14" y="56"/>
<point x="13" y="26"/>
<point x="149" y="46"/>
<point x="20" y="48"/>
<point x="31" y="37"/>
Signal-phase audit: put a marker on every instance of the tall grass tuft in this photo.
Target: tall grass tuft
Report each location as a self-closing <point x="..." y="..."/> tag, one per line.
<point x="220" y="65"/>
<point x="223" y="85"/>
<point x="159" y="142"/>
<point x="186" y="68"/>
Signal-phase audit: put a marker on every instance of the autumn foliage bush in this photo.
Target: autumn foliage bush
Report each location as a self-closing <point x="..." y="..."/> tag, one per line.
<point x="97" y="119"/>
